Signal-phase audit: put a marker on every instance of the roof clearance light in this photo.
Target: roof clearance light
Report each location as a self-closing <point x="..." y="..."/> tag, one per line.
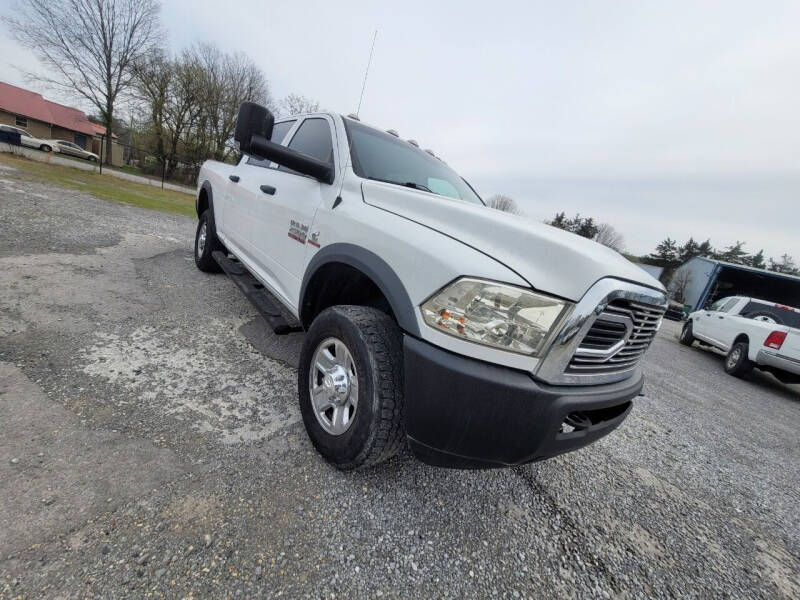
<point x="775" y="340"/>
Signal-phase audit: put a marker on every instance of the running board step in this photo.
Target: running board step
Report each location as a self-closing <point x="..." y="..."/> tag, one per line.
<point x="281" y="321"/>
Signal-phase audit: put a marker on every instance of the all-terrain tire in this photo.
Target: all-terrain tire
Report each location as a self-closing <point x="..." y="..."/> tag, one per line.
<point x="206" y="242"/>
<point x="736" y="362"/>
<point x="374" y="341"/>
<point x="687" y="338"/>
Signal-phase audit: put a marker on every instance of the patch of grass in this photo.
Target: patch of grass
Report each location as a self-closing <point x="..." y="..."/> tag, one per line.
<point x="105" y="187"/>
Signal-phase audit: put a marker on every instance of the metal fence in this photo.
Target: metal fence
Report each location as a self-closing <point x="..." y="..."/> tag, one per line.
<point x="140" y="161"/>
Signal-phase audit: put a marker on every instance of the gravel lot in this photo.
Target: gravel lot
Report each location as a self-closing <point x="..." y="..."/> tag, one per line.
<point x="152" y="447"/>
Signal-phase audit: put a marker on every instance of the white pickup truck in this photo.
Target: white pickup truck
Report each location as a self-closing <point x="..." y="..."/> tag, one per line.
<point x="480" y="338"/>
<point x="754" y="333"/>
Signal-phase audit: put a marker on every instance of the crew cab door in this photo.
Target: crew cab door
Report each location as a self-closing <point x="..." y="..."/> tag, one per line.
<point x="729" y="323"/>
<point x="282" y="205"/>
<point x="707" y="324"/>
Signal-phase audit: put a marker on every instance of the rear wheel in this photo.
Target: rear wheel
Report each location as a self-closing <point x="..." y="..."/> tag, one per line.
<point x="206" y="242"/>
<point x="736" y="362"/>
<point x="687" y="338"/>
<point x="350" y="383"/>
<point x="45" y="148"/>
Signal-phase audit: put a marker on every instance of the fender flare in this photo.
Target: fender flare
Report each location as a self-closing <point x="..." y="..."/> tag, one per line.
<point x="210" y="193"/>
<point x="374" y="267"/>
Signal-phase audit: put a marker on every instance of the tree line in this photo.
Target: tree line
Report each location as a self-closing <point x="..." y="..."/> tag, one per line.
<point x="670" y="255"/>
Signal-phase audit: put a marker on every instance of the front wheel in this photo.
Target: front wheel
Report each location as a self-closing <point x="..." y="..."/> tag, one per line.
<point x="92" y="159"/>
<point x="687" y="338"/>
<point x="45" y="148"/>
<point x="206" y="242"/>
<point x="350" y="382"/>
<point x="736" y="362"/>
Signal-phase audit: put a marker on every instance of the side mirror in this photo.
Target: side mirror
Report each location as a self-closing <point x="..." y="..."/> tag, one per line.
<point x="253" y="119"/>
<point x="253" y="131"/>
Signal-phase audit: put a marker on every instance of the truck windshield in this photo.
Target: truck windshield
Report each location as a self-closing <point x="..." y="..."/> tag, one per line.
<point x="384" y="157"/>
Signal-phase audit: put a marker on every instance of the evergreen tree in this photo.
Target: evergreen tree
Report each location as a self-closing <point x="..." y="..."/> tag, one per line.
<point x="757" y="260"/>
<point x="705" y="249"/>
<point x="666" y="254"/>
<point x="689" y="250"/>
<point x="785" y="265"/>
<point x="734" y="254"/>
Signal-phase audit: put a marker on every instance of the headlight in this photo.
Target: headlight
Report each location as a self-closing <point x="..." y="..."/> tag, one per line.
<point x="494" y="314"/>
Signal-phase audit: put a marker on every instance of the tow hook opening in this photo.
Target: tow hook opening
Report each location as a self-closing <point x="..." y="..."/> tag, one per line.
<point x="582" y="420"/>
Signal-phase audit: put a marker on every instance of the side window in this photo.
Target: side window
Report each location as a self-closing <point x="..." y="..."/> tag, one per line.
<point x="729" y="305"/>
<point x="717" y="306"/>
<point x="279" y="132"/>
<point x="314" y="139"/>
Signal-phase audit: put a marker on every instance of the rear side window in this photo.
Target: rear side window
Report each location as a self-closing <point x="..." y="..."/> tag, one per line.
<point x="780" y="315"/>
<point x="314" y="139"/>
<point x="279" y="132"/>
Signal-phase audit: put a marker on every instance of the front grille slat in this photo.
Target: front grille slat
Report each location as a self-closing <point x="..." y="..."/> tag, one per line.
<point x="608" y="330"/>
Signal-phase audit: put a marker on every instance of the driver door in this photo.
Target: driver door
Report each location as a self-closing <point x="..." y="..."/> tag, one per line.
<point x="708" y="325"/>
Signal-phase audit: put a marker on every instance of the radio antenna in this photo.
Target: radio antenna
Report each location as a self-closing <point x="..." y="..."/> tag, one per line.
<point x="369" y="62"/>
<point x="350" y="142"/>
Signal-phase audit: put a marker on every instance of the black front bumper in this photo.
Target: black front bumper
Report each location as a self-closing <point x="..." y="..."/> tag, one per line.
<point x="465" y="413"/>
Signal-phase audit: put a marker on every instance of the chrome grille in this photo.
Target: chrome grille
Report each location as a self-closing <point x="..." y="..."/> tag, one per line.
<point x="617" y="339"/>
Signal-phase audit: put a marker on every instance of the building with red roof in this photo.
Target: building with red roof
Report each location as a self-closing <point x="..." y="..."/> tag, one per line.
<point x="48" y="120"/>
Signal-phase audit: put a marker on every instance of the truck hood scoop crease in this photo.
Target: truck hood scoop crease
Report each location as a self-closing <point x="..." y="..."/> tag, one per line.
<point x="549" y="259"/>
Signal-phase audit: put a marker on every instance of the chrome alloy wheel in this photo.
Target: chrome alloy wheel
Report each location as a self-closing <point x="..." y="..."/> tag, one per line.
<point x="333" y="386"/>
<point x="201" y="239"/>
<point x="733" y="357"/>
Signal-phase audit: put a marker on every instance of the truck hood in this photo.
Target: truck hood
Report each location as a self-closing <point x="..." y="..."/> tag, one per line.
<point x="549" y="259"/>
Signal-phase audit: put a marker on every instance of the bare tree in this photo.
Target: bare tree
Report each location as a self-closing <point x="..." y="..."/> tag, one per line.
<point x="152" y="76"/>
<point x="504" y="203"/>
<point x="608" y="236"/>
<point x="171" y="92"/>
<point x="677" y="287"/>
<point x="295" y="104"/>
<point x="89" y="45"/>
<point x="228" y="80"/>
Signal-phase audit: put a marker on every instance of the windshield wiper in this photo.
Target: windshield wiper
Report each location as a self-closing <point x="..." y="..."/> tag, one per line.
<point x="411" y="184"/>
<point x="418" y="186"/>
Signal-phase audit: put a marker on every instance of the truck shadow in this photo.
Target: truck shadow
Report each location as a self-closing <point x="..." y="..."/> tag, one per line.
<point x="755" y="377"/>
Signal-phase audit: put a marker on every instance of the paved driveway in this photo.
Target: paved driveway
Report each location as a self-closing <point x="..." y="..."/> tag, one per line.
<point x="151" y="446"/>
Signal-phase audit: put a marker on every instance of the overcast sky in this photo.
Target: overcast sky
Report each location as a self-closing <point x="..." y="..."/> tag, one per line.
<point x="661" y="118"/>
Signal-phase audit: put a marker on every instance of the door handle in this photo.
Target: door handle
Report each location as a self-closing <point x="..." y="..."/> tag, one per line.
<point x="268" y="189"/>
<point x="720" y="317"/>
<point x="234" y="178"/>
